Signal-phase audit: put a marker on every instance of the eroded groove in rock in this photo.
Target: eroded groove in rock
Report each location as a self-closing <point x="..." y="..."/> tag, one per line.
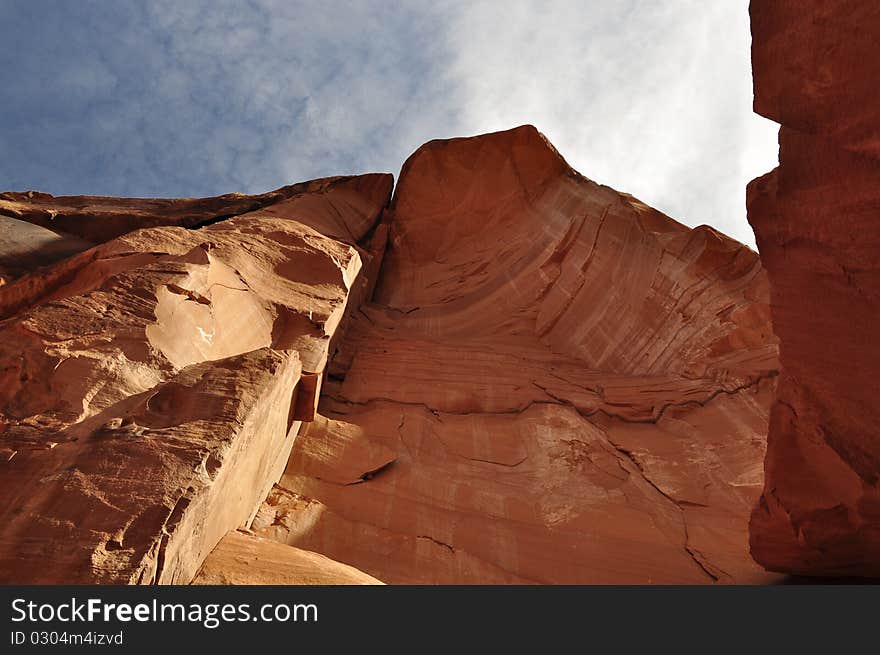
<point x="573" y="387"/>
<point x="151" y="387"/>
<point x="817" y="225"/>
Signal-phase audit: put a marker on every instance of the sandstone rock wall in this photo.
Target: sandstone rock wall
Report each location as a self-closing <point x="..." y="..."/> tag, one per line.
<point x="554" y="384"/>
<point x="151" y="387"/>
<point x="817" y="222"/>
<point x="510" y="375"/>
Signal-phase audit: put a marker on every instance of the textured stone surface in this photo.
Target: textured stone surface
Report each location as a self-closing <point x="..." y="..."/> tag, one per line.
<point x="555" y="383"/>
<point x="817" y="222"/>
<point x="151" y="387"/>
<point x="243" y="559"/>
<point x="510" y="375"/>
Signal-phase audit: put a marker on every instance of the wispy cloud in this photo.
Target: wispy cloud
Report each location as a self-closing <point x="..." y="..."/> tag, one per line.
<point x="197" y="98"/>
<point x="653" y="98"/>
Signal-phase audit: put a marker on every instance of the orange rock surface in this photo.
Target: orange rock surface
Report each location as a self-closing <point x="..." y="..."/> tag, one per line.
<point x="554" y="383"/>
<point x="511" y="374"/>
<point x="152" y="387"/>
<point x="241" y="558"/>
<point x="817" y="224"/>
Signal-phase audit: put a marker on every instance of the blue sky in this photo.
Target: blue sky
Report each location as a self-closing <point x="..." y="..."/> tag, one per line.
<point x="191" y="98"/>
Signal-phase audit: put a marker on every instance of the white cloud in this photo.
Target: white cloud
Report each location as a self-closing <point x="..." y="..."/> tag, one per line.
<point x="652" y="98"/>
<point x="204" y="97"/>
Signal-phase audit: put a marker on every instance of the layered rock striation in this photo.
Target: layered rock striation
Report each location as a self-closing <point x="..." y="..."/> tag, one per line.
<point x="817" y="222"/>
<point x="510" y="374"/>
<point x="554" y="383"/>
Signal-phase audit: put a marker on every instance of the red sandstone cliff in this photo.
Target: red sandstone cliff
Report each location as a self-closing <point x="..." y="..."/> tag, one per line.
<point x="554" y="383"/>
<point x="540" y="379"/>
<point x="817" y="222"/>
<point x="151" y="387"/>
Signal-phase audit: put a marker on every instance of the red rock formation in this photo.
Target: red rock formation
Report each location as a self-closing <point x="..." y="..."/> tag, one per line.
<point x="817" y="224"/>
<point x="151" y="387"/>
<point x="555" y="383"/>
